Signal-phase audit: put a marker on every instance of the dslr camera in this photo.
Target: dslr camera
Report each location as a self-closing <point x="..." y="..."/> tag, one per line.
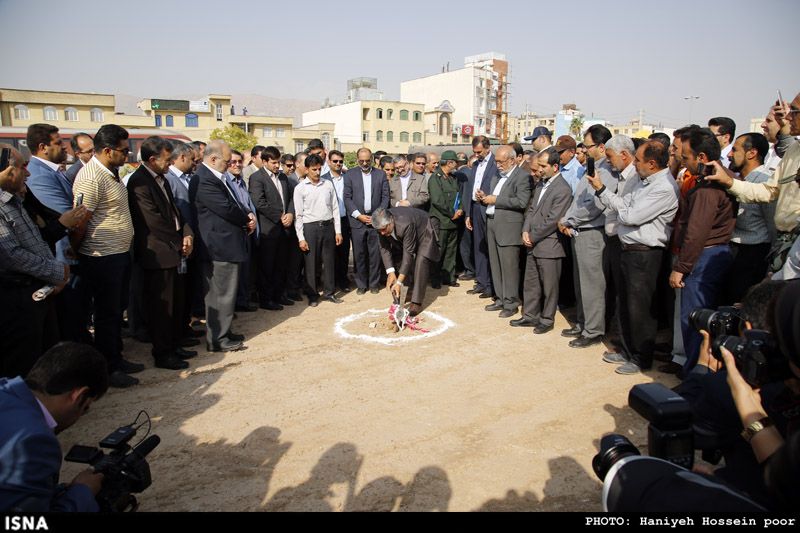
<point x="670" y="435"/>
<point x="125" y="468"/>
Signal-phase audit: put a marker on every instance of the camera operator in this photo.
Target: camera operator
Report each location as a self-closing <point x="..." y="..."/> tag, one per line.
<point x="56" y="392"/>
<point x="638" y="483"/>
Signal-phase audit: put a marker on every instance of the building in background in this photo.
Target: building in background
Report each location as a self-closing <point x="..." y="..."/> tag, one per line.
<point x="21" y="108"/>
<point x="479" y="94"/>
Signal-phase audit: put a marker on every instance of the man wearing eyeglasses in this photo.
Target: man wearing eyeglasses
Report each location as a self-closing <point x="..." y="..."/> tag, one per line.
<point x="409" y="188"/>
<point x="724" y="129"/>
<point x="103" y="251"/>
<point x="342" y="261"/>
<point x="83" y="149"/>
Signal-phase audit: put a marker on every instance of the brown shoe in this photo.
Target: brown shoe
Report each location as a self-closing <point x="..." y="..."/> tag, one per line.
<point x="414" y="309"/>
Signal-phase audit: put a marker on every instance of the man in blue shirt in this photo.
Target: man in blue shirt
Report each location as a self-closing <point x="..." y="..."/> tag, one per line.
<point x="571" y="168"/>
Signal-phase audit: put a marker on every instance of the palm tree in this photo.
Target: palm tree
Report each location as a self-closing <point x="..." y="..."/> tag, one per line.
<point x="576" y="126"/>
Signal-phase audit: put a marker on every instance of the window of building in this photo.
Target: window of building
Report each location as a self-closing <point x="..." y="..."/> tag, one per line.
<point x="158" y="121"/>
<point x="267" y="131"/>
<point x="365" y="113"/>
<point x="379" y="113"/>
<point x="219" y="113"/>
<point x="455" y="138"/>
<point x="389" y="136"/>
<point x="50" y="113"/>
<point x="417" y="116"/>
<point x="96" y="114"/>
<point x="191" y="120"/>
<point x="417" y="137"/>
<point x="299" y="146"/>
<point x="379" y="135"/>
<point x="21" y="112"/>
<point x="71" y="114"/>
<point x="403" y="114"/>
<point x="281" y="132"/>
<point x="170" y="121"/>
<point x="403" y="136"/>
<point x="389" y="113"/>
<point x="365" y="136"/>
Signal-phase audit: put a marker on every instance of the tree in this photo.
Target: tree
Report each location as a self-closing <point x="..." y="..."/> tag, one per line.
<point x="350" y="159"/>
<point x="576" y="126"/>
<point x="236" y="138"/>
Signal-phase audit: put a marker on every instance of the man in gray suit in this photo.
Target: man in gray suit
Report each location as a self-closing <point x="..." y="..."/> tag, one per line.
<point x="505" y="213"/>
<point x="551" y="198"/>
<point x="408" y="188"/>
<point x="414" y="231"/>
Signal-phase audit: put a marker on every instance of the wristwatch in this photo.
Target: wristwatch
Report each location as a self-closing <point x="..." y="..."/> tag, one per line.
<point x="751" y="430"/>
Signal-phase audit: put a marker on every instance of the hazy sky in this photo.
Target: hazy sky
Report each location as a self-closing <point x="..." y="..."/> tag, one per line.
<point x="610" y="57"/>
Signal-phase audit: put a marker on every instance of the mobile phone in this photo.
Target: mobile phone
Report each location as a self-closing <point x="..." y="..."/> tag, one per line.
<point x="79" y="199"/>
<point x="5" y="158"/>
<point x="590" y="166"/>
<point x="780" y="100"/>
<point x="83" y="454"/>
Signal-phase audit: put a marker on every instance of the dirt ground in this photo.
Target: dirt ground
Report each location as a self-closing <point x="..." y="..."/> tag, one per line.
<point x="480" y="417"/>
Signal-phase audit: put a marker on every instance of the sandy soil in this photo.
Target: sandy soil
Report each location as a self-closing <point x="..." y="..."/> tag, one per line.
<point x="480" y="417"/>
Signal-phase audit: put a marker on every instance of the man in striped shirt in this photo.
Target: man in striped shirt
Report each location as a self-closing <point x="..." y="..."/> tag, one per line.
<point x="103" y="252"/>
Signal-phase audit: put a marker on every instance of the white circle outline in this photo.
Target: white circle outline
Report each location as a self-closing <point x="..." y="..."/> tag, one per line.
<point x="339" y="328"/>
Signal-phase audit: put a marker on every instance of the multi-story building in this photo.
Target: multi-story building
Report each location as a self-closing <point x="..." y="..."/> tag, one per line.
<point x="527" y="122"/>
<point x="392" y="126"/>
<point x="478" y="93"/>
<point x="21" y="108"/>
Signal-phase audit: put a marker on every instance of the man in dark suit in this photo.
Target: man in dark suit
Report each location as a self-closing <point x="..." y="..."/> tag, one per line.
<point x="161" y="242"/>
<point x="366" y="189"/>
<point x="414" y="232"/>
<point x="552" y="196"/>
<point x="60" y="387"/>
<point x="505" y="213"/>
<point x="272" y="194"/>
<point x="224" y="226"/>
<point x="83" y="149"/>
<point x="480" y="179"/>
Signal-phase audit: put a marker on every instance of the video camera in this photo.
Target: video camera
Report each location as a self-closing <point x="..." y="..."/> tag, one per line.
<point x="124" y="468"/>
<point x="757" y="357"/>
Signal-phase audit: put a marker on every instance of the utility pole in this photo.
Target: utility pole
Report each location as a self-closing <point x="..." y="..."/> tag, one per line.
<point x="691" y="102"/>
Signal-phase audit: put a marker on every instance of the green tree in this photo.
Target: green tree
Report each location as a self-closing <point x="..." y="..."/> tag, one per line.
<point x="576" y="126"/>
<point x="236" y="138"/>
<point x="350" y="160"/>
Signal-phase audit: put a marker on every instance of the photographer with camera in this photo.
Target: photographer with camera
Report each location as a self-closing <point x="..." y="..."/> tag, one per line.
<point x="57" y="391"/>
<point x="636" y="483"/>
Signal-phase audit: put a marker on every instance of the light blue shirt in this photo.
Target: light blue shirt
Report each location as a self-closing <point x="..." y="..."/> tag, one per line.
<point x="367" y="180"/>
<point x="338" y="184"/>
<point x="573" y="172"/>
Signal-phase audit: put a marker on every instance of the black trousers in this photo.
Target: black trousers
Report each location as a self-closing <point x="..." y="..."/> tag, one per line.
<point x="72" y="306"/>
<point x="367" y="257"/>
<point x="616" y="312"/>
<point x="320" y="257"/>
<point x="749" y="268"/>
<point x="343" y="256"/>
<point x="164" y="304"/>
<point x="640" y="271"/>
<point x="28" y="328"/>
<point x="294" y="266"/>
<point x="273" y="255"/>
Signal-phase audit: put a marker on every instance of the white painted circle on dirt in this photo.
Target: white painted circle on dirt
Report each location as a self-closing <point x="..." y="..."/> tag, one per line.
<point x="340" y="328"/>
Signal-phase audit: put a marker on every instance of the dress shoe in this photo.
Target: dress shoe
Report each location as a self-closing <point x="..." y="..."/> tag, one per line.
<point x="585" y="342"/>
<point x="180" y="353"/>
<point x="466" y="276"/>
<point x="486" y="295"/>
<point x="120" y="380"/>
<point x="333" y="299"/>
<point x="271" y="306"/>
<point x="345" y="289"/>
<point x="414" y="309"/>
<point x="614" y="358"/>
<point x="505" y="313"/>
<point x="574" y="331"/>
<point x="523" y="323"/>
<point x="249" y="308"/>
<point x="226" y="345"/>
<point x="628" y="368"/>
<point x="454" y="284"/>
<point x="188" y="342"/>
<point x="286" y="301"/>
<point x="296" y="296"/>
<point x="171" y="363"/>
<point x="541" y="329"/>
<point x="436" y="286"/>
<point x="313" y="303"/>
<point x="494" y="307"/>
<point x="670" y="368"/>
<point x="235" y="337"/>
<point x="476" y="290"/>
<point x="361" y="290"/>
<point x="129" y="367"/>
<point x="375" y="290"/>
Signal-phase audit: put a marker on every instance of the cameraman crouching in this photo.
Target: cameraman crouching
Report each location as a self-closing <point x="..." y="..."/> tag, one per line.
<point x="58" y="390"/>
<point x="636" y="483"/>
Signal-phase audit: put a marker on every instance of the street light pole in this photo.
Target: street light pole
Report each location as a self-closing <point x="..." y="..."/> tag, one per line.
<point x="691" y="102"/>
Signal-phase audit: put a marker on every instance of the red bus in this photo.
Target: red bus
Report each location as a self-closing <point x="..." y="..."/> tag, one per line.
<point x="16" y="138"/>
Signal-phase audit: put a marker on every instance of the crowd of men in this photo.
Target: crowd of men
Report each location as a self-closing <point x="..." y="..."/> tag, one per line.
<point x="638" y="232"/>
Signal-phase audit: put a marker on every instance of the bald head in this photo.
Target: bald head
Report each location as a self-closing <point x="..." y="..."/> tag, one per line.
<point x="217" y="155"/>
<point x="506" y="151"/>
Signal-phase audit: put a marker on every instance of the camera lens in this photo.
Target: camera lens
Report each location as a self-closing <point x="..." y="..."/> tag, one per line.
<point x="612" y="448"/>
<point x="702" y="319"/>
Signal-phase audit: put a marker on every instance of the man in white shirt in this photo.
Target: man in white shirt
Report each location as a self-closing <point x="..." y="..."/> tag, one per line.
<point x="724" y="130"/>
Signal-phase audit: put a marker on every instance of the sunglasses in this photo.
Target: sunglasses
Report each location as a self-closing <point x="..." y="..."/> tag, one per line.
<point x="337" y="161"/>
